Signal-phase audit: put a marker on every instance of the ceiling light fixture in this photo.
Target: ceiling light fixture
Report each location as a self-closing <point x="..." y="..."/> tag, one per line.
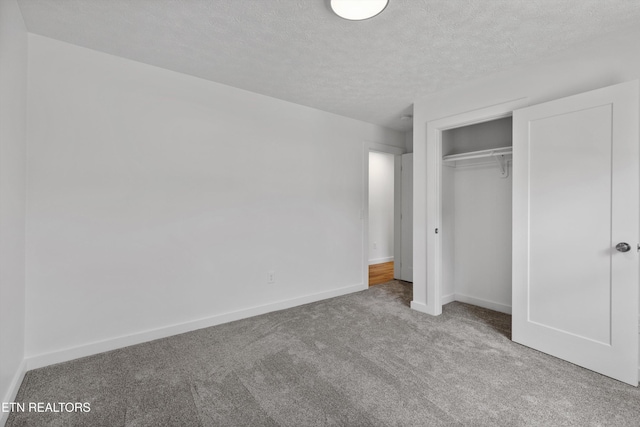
<point x="357" y="10"/>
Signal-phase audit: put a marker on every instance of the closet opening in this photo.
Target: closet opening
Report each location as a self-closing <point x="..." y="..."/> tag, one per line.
<point x="476" y="209"/>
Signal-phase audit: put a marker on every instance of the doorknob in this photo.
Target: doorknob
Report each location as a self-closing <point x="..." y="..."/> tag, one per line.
<point x="623" y="247"/>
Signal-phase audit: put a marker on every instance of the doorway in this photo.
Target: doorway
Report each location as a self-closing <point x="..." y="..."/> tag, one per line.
<point x="387" y="241"/>
<point x="476" y="214"/>
<point x="428" y="245"/>
<point x="381" y="217"/>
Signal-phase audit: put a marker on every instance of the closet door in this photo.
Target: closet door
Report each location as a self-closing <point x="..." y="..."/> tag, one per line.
<point x="576" y="187"/>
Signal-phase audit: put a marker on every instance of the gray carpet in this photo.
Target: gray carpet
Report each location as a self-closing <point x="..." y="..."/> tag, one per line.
<point x="364" y="359"/>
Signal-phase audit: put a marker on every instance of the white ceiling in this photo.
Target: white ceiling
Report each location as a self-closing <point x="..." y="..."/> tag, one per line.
<point x="299" y="51"/>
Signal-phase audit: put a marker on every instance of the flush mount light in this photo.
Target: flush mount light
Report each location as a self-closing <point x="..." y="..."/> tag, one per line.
<point x="357" y="10"/>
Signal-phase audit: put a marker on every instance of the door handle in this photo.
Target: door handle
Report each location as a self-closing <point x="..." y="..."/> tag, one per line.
<point x="623" y="247"/>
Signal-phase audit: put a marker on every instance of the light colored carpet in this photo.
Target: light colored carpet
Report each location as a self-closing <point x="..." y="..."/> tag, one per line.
<point x="364" y="359"/>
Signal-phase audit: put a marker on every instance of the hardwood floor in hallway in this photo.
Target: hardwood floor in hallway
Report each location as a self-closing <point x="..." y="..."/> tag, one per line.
<point x="380" y="273"/>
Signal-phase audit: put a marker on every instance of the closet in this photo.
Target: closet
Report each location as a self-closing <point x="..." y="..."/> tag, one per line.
<point x="549" y="232"/>
<point x="476" y="214"/>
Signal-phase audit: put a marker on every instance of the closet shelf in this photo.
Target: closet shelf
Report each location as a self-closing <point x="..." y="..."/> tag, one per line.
<point x="503" y="151"/>
<point x="496" y="153"/>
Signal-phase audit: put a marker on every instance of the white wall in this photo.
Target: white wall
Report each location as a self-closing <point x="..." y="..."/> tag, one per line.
<point x="13" y="90"/>
<point x="612" y="59"/>
<point x="408" y="141"/>
<point x="482" y="237"/>
<point x="480" y="136"/>
<point x="381" y="207"/>
<point x="159" y="202"/>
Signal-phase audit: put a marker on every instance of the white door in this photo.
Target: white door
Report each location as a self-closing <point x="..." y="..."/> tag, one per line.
<point x="575" y="197"/>
<point x="406" y="251"/>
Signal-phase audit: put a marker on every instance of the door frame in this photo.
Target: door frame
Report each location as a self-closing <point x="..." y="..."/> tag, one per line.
<point x="400" y="210"/>
<point x="433" y="243"/>
<point x="368" y="147"/>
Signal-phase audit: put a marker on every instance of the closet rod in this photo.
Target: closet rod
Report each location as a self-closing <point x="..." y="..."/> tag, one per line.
<point x="478" y="154"/>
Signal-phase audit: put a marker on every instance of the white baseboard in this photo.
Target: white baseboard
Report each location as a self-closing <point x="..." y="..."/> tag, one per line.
<point x="448" y="298"/>
<point x="13" y="389"/>
<point x="418" y="306"/>
<point x="380" y="260"/>
<point x="45" y="359"/>
<point x="495" y="306"/>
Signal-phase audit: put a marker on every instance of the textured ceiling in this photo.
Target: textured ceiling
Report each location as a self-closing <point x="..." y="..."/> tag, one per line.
<point x="299" y="51"/>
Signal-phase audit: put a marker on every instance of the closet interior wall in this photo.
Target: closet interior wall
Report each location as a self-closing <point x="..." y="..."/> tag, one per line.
<point x="476" y="218"/>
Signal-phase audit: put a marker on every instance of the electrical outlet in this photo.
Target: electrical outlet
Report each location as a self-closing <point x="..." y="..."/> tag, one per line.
<point x="271" y="277"/>
<point x="375" y="245"/>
